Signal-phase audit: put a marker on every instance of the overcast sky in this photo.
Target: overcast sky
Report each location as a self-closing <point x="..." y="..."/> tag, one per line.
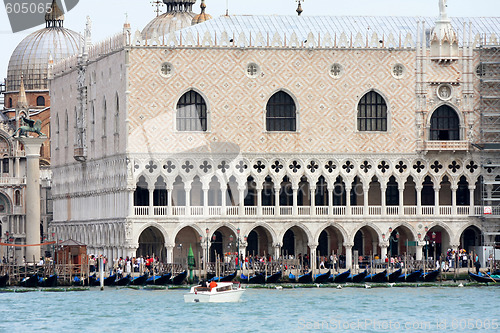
<point x="108" y="16"/>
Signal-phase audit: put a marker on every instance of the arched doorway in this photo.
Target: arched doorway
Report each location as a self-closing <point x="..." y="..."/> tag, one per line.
<point x="152" y="243"/>
<point x="469" y="238"/>
<point x="437" y="241"/>
<point x="187" y="238"/>
<point x="365" y="245"/>
<point x="294" y="242"/>
<point x="259" y="242"/>
<point x="223" y="243"/>
<point x="401" y="242"/>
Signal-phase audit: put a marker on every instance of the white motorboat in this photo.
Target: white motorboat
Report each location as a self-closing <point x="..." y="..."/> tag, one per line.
<point x="223" y="292"/>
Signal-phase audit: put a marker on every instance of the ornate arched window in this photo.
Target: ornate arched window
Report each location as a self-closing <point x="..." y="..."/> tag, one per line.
<point x="372" y="113"/>
<point x="281" y="113"/>
<point x="40" y="101"/>
<point x="191" y="112"/>
<point x="445" y="125"/>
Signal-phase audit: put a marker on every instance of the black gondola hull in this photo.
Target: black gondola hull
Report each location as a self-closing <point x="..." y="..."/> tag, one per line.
<point x="4" y="279"/>
<point x="358" y="278"/>
<point x="430" y="277"/>
<point x="179" y="278"/>
<point x="412" y="277"/>
<point x="393" y="277"/>
<point x="342" y="277"/>
<point x="139" y="281"/>
<point x="306" y="278"/>
<point x="274" y="278"/>
<point x="322" y="278"/>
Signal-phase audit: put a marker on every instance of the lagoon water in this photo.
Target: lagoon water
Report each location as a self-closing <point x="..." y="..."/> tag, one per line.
<point x="411" y="309"/>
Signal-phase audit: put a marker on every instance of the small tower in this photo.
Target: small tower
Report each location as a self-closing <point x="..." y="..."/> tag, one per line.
<point x="444" y="42"/>
<point x="202" y="17"/>
<point x="299" y="7"/>
<point x="22" y="106"/>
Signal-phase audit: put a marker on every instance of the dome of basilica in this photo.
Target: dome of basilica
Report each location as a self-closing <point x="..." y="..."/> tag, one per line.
<point x="179" y="15"/>
<point x="32" y="55"/>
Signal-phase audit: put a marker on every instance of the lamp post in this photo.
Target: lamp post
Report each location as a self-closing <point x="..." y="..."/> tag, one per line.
<point x="206" y="250"/>
<point x="434" y="244"/>
<point x="238" y="248"/>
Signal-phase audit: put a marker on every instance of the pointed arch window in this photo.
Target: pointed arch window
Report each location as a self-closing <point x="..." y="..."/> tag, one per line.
<point x="372" y="113"/>
<point x="445" y="125"/>
<point x="281" y="113"/>
<point x="191" y="112"/>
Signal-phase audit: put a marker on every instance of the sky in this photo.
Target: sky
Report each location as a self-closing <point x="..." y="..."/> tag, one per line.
<point x="108" y="16"/>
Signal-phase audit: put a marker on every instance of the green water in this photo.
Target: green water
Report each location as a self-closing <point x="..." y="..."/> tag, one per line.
<point x="431" y="309"/>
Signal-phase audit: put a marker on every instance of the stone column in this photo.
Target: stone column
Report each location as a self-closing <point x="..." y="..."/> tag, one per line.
<point x="170" y="253"/>
<point x="330" y="201"/>
<point x="401" y="190"/>
<point x="313" y="259"/>
<point x="374" y="248"/>
<point x="259" y="200"/>
<point x="151" y="190"/>
<point x="241" y="198"/>
<point x="419" y="250"/>
<point x="169" y="199"/>
<point x="277" y="251"/>
<point x="383" y="189"/>
<point x="277" y="200"/>
<point x="454" y="188"/>
<point x="32" y="202"/>
<point x="131" y="210"/>
<point x="418" y="188"/>
<point x="383" y="252"/>
<point x="471" y="200"/>
<point x="348" y="255"/>
<point x="436" y="199"/>
<point x="365" y="199"/>
<point x="348" y="187"/>
<point x="187" y="193"/>
<point x="223" y="189"/>
<point x="205" y="200"/>
<point x="313" y="200"/>
<point x="295" y="209"/>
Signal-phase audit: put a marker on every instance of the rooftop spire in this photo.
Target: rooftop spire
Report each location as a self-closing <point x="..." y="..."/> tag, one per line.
<point x="299" y="8"/>
<point x="54" y="17"/>
<point x="22" y="101"/>
<point x="443" y="15"/>
<point x="202" y="17"/>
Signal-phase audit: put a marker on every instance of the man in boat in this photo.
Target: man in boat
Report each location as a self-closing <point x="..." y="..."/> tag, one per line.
<point x="212" y="285"/>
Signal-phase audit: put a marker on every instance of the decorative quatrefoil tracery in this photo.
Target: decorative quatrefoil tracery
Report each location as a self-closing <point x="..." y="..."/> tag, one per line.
<point x="454" y="166"/>
<point x="259" y="166"/>
<point x="223" y="166"/>
<point x="187" y="166"/>
<point x="383" y="166"/>
<point x="295" y="166"/>
<point x="330" y="166"/>
<point x="348" y="166"/>
<point x="472" y="166"/>
<point x="418" y="166"/>
<point x="436" y="166"/>
<point x="312" y="166"/>
<point x="205" y="166"/>
<point x="276" y="166"/>
<point x="241" y="166"/>
<point x="366" y="166"/>
<point x="151" y="166"/>
<point x="401" y="167"/>
<point x="169" y="166"/>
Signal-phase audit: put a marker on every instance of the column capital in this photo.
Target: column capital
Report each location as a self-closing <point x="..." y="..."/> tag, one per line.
<point x="313" y="245"/>
<point x="348" y="245"/>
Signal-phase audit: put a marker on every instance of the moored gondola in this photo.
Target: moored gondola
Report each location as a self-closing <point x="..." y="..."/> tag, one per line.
<point x="483" y="278"/>
<point x="412" y="277"/>
<point x="159" y="280"/>
<point x="109" y="281"/>
<point x="292" y="278"/>
<point x="274" y="278"/>
<point x="4" y="279"/>
<point x="377" y="278"/>
<point x="31" y="281"/>
<point x="429" y="276"/>
<point x="358" y="278"/>
<point x="48" y="282"/>
<point x="322" y="278"/>
<point x="124" y="281"/>
<point x="227" y="278"/>
<point x="305" y="278"/>
<point x="179" y="278"/>
<point x="393" y="277"/>
<point x="139" y="280"/>
<point x="340" y="278"/>
<point x="258" y="278"/>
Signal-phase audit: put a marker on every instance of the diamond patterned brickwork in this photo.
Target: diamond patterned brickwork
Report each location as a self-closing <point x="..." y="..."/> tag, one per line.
<point x="326" y="107"/>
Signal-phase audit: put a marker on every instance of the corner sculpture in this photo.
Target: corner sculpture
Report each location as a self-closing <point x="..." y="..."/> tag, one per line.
<point x="31" y="126"/>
